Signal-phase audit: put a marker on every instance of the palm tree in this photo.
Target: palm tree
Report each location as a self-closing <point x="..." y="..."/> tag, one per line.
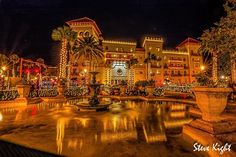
<point x="132" y="62"/>
<point x="67" y="37"/>
<point x="221" y="39"/>
<point x="151" y="57"/>
<point x="3" y="59"/>
<point x="90" y="49"/>
<point x="14" y="59"/>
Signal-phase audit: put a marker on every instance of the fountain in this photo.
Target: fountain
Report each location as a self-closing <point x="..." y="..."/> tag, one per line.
<point x="94" y="104"/>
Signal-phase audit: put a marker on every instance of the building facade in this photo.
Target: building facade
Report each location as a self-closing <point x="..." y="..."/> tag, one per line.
<point x="178" y="66"/>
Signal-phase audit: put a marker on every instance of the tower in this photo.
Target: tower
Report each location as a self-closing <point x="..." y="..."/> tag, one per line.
<point x="153" y="45"/>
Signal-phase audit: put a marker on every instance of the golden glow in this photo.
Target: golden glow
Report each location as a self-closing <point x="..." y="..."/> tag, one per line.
<point x="202" y="67"/>
<point x="63" y="61"/>
<point x="4" y="68"/>
<point x="72" y="143"/>
<point x="60" y="134"/>
<point x="152" y="39"/>
<point x="1" y="117"/>
<point x="119" y="42"/>
<point x="85" y="70"/>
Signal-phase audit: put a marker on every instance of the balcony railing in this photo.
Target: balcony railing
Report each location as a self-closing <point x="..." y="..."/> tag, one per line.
<point x="156" y="66"/>
<point x="175" y="67"/>
<point x="176" y="75"/>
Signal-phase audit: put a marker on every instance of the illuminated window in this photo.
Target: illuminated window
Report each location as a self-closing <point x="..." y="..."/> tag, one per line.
<point x="81" y="34"/>
<point x="86" y="34"/>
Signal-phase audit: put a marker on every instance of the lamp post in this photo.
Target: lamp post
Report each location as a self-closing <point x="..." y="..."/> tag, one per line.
<point x="202" y="68"/>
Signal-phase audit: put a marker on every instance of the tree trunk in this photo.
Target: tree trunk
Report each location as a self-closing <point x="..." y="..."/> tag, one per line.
<point x="149" y="67"/>
<point x="13" y="70"/>
<point x="233" y="68"/>
<point x="214" y="67"/>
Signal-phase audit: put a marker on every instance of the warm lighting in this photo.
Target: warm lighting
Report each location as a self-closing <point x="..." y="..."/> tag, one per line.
<point x="222" y="77"/>
<point x="85" y="70"/>
<point x="1" y="117"/>
<point x="202" y="67"/>
<point x="4" y="68"/>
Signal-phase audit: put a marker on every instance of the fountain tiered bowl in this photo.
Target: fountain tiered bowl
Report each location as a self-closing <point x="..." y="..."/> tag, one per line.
<point x="93" y="103"/>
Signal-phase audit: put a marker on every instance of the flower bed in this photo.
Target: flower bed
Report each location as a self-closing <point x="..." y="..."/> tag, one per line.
<point x="73" y="92"/>
<point x="8" y="95"/>
<point x="48" y="92"/>
<point x="43" y="93"/>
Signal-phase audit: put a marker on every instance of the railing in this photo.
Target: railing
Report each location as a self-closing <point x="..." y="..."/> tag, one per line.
<point x="156" y="66"/>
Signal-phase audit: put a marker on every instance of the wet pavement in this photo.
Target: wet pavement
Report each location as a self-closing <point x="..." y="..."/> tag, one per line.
<point x="130" y="129"/>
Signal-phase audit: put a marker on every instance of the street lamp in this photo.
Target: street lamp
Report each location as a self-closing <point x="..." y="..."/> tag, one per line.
<point x="4" y="68"/>
<point x="202" y="67"/>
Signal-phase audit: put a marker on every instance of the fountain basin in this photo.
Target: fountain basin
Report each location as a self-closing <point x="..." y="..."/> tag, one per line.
<point x="84" y="106"/>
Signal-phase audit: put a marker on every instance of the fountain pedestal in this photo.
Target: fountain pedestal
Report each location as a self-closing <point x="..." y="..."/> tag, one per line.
<point x="23" y="91"/>
<point x="94" y="104"/>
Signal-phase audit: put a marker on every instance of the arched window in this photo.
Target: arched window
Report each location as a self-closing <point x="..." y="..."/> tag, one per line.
<point x="86" y="34"/>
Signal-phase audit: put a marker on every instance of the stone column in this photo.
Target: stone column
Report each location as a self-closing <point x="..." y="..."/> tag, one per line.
<point x="23" y="90"/>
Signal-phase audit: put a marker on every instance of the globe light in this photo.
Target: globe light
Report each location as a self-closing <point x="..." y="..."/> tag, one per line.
<point x="4" y="68"/>
<point x="222" y="77"/>
<point x="202" y="67"/>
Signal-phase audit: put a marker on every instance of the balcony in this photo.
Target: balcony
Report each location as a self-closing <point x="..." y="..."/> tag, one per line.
<point x="118" y="57"/>
<point x="156" y="66"/>
<point x="176" y="75"/>
<point x="175" y="67"/>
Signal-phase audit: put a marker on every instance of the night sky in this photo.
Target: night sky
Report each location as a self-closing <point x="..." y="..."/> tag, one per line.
<point x="26" y="25"/>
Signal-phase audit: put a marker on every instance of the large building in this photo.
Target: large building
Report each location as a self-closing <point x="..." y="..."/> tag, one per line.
<point x="178" y="66"/>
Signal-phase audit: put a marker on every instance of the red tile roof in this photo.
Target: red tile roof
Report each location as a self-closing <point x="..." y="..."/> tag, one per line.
<point x="188" y="40"/>
<point x="84" y="20"/>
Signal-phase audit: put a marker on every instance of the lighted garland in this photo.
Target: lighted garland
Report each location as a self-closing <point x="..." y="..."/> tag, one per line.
<point x="43" y="93"/>
<point x="48" y="92"/>
<point x="8" y="95"/>
<point x="158" y="91"/>
<point x="73" y="92"/>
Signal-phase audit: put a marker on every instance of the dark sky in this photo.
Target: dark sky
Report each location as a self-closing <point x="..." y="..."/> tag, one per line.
<point x="26" y="25"/>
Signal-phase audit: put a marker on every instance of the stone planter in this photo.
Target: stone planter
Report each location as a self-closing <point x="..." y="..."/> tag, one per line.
<point x="61" y="89"/>
<point x="211" y="101"/>
<point x="150" y="90"/>
<point x="23" y="90"/>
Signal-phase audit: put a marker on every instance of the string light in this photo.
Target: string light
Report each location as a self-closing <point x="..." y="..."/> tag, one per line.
<point x="63" y="60"/>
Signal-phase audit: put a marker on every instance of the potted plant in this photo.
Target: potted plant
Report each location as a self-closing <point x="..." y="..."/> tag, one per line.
<point x="211" y="97"/>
